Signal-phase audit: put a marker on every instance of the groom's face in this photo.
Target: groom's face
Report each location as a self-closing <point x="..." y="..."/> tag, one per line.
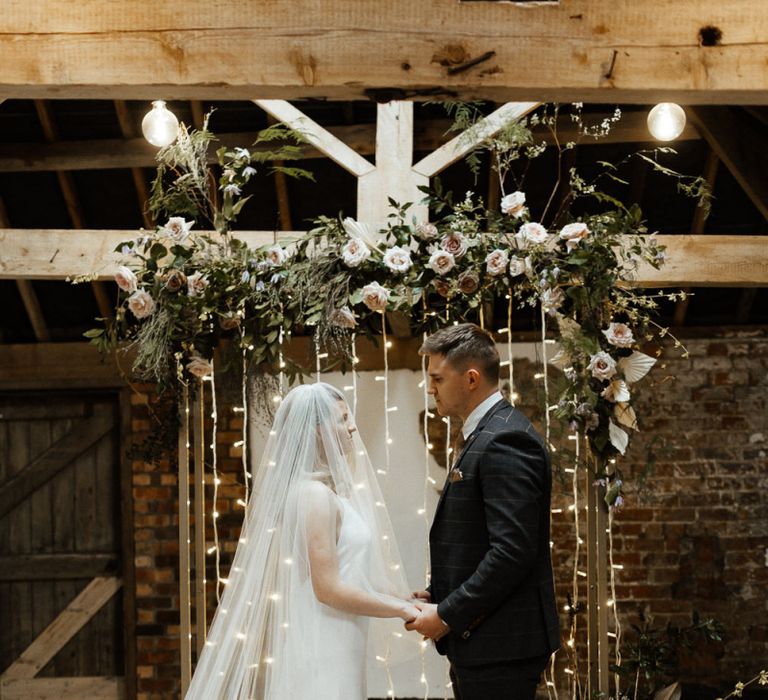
<point x="449" y="386"/>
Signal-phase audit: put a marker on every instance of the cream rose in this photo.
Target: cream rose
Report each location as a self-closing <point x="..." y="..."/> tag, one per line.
<point x="126" y="280"/>
<point x="177" y="229"/>
<point x="397" y="259"/>
<point x="276" y="255"/>
<point x="516" y="266"/>
<point x="196" y="284"/>
<point x="531" y="233"/>
<point x="513" y="204"/>
<point x="455" y="244"/>
<point x="602" y="365"/>
<point x="141" y="304"/>
<point x="355" y="252"/>
<point x="426" y="232"/>
<point x="573" y="234"/>
<point x="375" y="297"/>
<point x="468" y="282"/>
<point x="441" y="262"/>
<point x="496" y="262"/>
<point x="199" y="367"/>
<point x="619" y="334"/>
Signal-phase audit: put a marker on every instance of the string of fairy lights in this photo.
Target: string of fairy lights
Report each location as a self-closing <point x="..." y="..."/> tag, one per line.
<point x="571" y="669"/>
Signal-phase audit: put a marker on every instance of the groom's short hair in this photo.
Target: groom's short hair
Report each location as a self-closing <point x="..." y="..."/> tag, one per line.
<point x="463" y="345"/>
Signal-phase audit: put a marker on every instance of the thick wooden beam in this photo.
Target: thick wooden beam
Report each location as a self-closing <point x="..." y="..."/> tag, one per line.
<point x="106" y="154"/>
<point x="43" y="468"/>
<point x="590" y="50"/>
<point x="715" y="261"/>
<point x="741" y="145"/>
<point x="57" y="567"/>
<point x="48" y="366"/>
<point x="91" y="687"/>
<point x="66" y="625"/>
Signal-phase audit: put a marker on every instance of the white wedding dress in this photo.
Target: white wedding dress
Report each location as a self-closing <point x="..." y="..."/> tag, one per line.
<point x="329" y="646"/>
<point x="316" y="516"/>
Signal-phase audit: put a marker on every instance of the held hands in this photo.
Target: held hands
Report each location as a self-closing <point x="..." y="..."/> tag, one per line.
<point x="428" y="622"/>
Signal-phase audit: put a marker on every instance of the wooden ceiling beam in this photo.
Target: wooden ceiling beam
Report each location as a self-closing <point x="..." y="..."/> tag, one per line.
<point x="128" y="131"/>
<point x="68" y="191"/>
<point x="694" y="261"/>
<point x="697" y="228"/>
<point x="741" y="145"/>
<point x="580" y="50"/>
<point x="28" y="294"/>
<point x="107" y="154"/>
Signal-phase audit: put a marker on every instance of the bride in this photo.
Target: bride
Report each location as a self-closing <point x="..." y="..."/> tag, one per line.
<point x="316" y="561"/>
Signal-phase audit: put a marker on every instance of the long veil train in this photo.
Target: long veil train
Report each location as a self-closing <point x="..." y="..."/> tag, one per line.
<point x="270" y="637"/>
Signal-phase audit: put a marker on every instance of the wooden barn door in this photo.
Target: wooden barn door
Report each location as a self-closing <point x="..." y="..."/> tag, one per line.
<point x="61" y="626"/>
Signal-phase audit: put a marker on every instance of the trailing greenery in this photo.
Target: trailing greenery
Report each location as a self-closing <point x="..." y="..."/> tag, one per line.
<point x="184" y="290"/>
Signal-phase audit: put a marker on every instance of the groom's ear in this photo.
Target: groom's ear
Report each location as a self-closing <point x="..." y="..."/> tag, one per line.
<point x="474" y="378"/>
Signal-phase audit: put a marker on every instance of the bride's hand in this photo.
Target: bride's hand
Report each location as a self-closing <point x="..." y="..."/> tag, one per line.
<point x="409" y="612"/>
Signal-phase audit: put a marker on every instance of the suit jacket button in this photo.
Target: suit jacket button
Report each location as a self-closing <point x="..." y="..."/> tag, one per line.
<point x="465" y="635"/>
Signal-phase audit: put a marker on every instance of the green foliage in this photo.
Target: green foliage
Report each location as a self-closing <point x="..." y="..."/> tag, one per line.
<point x="650" y="658"/>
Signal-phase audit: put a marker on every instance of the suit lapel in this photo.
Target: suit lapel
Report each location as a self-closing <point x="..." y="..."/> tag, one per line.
<point x="480" y="426"/>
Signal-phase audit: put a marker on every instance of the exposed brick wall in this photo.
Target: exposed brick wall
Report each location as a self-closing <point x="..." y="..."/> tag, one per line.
<point x="696" y="539"/>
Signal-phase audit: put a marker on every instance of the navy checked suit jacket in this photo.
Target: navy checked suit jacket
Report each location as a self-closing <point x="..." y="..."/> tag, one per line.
<point x="489" y="546"/>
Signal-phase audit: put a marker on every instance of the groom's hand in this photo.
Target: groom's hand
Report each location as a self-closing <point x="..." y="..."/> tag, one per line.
<point x="428" y="623"/>
<point x="423" y="596"/>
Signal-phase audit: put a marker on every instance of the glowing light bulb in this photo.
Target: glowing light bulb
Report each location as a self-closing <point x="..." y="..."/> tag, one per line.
<point x="666" y="121"/>
<point x="160" y="126"/>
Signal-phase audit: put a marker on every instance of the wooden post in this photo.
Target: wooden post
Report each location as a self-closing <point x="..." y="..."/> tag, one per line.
<point x="184" y="594"/>
<point x="198" y="431"/>
<point x="597" y="584"/>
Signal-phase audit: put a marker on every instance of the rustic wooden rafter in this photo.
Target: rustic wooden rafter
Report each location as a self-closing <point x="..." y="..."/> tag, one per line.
<point x="740" y="145"/>
<point x="128" y="131"/>
<point x="697" y="228"/>
<point x="106" y="154"/>
<point x="68" y="191"/>
<point x="589" y="50"/>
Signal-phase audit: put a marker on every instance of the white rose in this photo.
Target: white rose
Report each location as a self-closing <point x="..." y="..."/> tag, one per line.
<point x="276" y="255"/>
<point x="496" y="262"/>
<point x="455" y="244"/>
<point x="355" y="252"/>
<point x="375" y="297"/>
<point x="573" y="234"/>
<point x="531" y="233"/>
<point x="552" y="298"/>
<point x="196" y="284"/>
<point x="199" y="367"/>
<point x="516" y="266"/>
<point x="617" y="391"/>
<point x="343" y="318"/>
<point x="602" y="365"/>
<point x="125" y="279"/>
<point x="141" y="304"/>
<point x="441" y="262"/>
<point x="426" y="231"/>
<point x="177" y="229"/>
<point x="513" y="204"/>
<point x="619" y="334"/>
<point x="397" y="259"/>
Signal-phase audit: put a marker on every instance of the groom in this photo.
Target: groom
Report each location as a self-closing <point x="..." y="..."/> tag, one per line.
<point x="490" y="606"/>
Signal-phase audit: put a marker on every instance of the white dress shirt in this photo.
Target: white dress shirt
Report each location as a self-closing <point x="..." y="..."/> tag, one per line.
<point x="480" y="410"/>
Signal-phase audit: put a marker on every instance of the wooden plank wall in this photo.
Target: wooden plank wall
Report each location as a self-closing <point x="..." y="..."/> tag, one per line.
<point x="76" y="512"/>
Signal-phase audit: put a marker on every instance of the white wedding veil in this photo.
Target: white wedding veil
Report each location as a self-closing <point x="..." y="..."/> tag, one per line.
<point x="269" y="626"/>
